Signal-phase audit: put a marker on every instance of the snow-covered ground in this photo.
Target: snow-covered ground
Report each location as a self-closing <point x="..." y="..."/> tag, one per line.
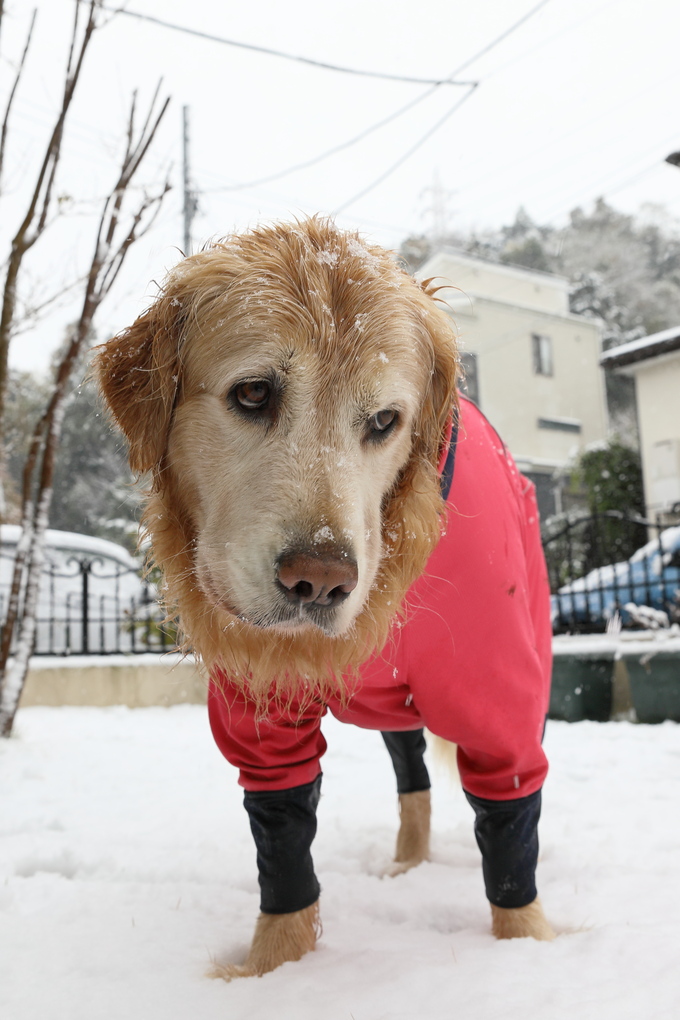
<point x="126" y="864"/>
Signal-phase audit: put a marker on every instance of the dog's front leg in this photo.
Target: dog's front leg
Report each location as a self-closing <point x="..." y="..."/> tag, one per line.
<point x="283" y="823"/>
<point x="507" y="835"/>
<point x="521" y="922"/>
<point x="278" y="938"/>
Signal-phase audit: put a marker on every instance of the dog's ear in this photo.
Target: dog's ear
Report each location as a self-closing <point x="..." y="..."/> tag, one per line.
<point x="139" y="373"/>
<point x="441" y="399"/>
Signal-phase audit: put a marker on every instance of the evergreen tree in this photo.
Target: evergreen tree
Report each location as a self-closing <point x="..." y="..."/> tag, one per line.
<point x="611" y="477"/>
<point x="94" y="493"/>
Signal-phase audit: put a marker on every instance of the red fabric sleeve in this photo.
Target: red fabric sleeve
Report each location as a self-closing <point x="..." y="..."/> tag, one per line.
<point x="274" y="753"/>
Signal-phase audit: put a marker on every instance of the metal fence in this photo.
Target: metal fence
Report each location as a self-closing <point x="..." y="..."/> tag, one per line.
<point x="89" y="605"/>
<point x="613" y="564"/>
<point x="599" y="566"/>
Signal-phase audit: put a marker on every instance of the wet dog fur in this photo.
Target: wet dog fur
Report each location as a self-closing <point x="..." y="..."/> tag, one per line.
<point x="288" y="394"/>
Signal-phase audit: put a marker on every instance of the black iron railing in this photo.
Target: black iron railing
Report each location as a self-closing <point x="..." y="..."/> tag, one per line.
<point x="89" y="605"/>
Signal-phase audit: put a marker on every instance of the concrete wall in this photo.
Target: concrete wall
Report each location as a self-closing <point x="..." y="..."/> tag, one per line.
<point x="135" y="681"/>
<point x="657" y="383"/>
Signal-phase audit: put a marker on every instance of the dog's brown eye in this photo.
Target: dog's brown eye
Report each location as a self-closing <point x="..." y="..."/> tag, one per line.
<point x="253" y="396"/>
<point x="381" y="423"/>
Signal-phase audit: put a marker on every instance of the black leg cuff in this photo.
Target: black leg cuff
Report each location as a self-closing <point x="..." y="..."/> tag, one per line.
<point x="507" y="835"/>
<point x="406" y="749"/>
<point x="283" y="823"/>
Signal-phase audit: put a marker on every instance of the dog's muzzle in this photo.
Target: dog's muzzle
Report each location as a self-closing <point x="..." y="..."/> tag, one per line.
<point x="316" y="579"/>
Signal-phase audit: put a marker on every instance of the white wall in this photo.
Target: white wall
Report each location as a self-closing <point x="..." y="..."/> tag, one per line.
<point x="496" y="311"/>
<point x="657" y="383"/>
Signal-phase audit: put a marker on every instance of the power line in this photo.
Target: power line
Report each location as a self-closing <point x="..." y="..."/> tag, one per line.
<point x="393" y="116"/>
<point x="402" y="159"/>
<point x="501" y="38"/>
<point x="267" y="51"/>
<point x="428" y="134"/>
<point x="529" y="155"/>
<point x="336" y="148"/>
<point x="599" y="184"/>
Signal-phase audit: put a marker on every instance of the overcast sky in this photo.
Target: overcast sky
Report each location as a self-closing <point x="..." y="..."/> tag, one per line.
<point x="580" y="100"/>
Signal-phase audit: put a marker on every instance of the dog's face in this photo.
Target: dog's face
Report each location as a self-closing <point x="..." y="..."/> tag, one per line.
<point x="286" y="388"/>
<point x="290" y="431"/>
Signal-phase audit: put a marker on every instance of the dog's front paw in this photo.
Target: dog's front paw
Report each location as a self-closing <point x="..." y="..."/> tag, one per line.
<point x="278" y="938"/>
<point x="521" y="922"/>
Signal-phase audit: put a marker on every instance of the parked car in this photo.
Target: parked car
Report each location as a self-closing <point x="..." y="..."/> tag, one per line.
<point x="92" y="597"/>
<point x="650" y="578"/>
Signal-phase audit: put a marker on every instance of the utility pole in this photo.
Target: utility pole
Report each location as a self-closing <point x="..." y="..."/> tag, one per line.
<point x="190" y="199"/>
<point x="438" y="210"/>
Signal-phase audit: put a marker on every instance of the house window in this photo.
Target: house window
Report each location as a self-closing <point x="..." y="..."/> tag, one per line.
<point x="541" y="348"/>
<point x="547" y="493"/>
<point x="470" y="382"/>
<point x="560" y="424"/>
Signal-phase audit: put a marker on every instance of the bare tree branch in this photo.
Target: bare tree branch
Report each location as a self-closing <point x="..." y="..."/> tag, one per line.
<point x="107" y="258"/>
<point x="33" y="310"/>
<point x="152" y="203"/>
<point x="35" y="218"/>
<point x="17" y="78"/>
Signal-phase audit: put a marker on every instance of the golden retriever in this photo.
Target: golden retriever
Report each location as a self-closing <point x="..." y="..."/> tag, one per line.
<point x="289" y="393"/>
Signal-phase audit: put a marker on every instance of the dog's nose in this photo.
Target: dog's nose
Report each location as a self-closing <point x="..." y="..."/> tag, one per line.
<point x="325" y="579"/>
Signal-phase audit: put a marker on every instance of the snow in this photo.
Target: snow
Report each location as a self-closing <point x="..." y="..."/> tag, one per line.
<point x="670" y="541"/>
<point x="641" y="343"/>
<point x="624" y="644"/>
<point x="72" y="542"/>
<point x="167" y="660"/>
<point x="127" y="863"/>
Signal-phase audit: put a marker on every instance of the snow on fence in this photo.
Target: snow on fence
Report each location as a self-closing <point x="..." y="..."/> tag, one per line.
<point x="93" y="599"/>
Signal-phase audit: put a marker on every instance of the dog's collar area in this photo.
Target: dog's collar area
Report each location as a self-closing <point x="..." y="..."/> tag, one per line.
<point x="447" y="457"/>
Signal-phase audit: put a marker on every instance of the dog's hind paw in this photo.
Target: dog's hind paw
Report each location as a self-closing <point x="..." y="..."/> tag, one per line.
<point x="413" y="838"/>
<point x="521" y="922"/>
<point x="401" y="867"/>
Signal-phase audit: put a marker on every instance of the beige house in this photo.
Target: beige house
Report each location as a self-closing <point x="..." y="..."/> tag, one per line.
<point x="654" y="362"/>
<point x="531" y="365"/>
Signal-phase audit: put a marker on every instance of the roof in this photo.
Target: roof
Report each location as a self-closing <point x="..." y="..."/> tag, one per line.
<point x="69" y="541"/>
<point x="509" y="268"/>
<point x="646" y="347"/>
<point x="466" y="278"/>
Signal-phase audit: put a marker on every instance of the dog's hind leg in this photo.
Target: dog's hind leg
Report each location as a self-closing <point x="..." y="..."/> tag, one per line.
<point x="406" y="749"/>
<point x="413" y="838"/>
